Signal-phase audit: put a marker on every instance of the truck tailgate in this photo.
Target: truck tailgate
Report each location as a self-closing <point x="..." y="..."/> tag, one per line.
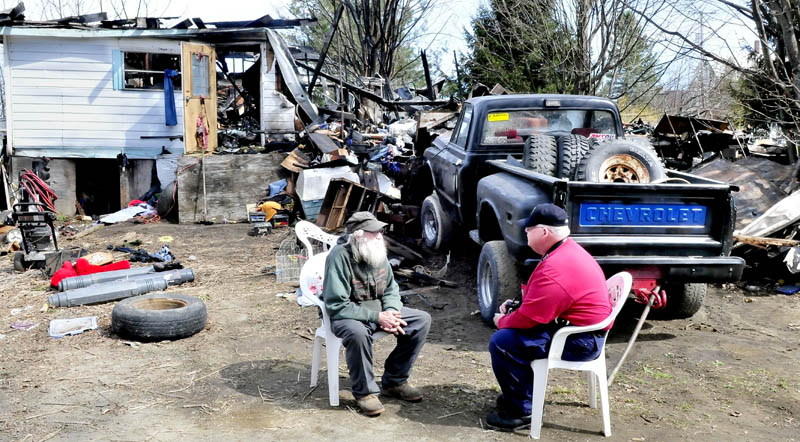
<point x="618" y="219"/>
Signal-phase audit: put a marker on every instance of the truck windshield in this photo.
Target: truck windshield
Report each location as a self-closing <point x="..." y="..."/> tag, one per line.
<point x="512" y="127"/>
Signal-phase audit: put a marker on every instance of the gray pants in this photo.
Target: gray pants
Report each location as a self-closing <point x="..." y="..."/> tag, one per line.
<point x="357" y="340"/>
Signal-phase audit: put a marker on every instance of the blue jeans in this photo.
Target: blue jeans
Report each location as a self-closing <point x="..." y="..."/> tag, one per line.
<point x="512" y="351"/>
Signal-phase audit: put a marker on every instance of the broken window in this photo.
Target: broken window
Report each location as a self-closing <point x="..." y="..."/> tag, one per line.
<point x="144" y="70"/>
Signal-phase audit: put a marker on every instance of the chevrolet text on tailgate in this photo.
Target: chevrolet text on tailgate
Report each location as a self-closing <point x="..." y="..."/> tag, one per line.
<point x="672" y="231"/>
<point x="609" y="214"/>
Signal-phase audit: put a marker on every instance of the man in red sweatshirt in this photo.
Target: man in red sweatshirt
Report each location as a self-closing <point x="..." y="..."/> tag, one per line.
<point x="567" y="284"/>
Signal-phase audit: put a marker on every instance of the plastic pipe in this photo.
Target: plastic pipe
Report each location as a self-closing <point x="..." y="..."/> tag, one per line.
<point x="77" y="282"/>
<point x="107" y="291"/>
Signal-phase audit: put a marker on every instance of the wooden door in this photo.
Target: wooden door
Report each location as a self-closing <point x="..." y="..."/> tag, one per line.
<point x="199" y="97"/>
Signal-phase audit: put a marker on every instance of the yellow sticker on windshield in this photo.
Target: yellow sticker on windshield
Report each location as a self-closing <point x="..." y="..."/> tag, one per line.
<point x="499" y="116"/>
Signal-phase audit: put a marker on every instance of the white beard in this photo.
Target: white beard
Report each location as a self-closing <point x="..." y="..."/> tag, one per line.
<point x="369" y="251"/>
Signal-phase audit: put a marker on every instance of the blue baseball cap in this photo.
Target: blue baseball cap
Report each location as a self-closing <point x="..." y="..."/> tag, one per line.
<point x="547" y="215"/>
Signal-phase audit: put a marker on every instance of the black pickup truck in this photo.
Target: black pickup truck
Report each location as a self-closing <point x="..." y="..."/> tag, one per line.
<point x="672" y="231"/>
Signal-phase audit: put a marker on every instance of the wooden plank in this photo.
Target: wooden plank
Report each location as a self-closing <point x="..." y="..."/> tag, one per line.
<point x="322" y="142"/>
<point x="231" y="182"/>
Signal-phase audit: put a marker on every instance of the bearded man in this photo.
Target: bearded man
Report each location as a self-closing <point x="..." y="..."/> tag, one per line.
<point x="362" y="297"/>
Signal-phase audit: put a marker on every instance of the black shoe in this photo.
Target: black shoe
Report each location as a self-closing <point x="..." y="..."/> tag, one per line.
<point x="502" y="404"/>
<point x="504" y="421"/>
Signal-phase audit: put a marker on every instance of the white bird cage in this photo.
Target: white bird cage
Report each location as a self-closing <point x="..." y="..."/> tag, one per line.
<point x="289" y="259"/>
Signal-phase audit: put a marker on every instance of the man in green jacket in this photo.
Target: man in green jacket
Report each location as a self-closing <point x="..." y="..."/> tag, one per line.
<point x="362" y="297"/>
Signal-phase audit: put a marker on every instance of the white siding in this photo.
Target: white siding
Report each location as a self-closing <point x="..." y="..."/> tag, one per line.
<point x="64" y="103"/>
<point x="277" y="113"/>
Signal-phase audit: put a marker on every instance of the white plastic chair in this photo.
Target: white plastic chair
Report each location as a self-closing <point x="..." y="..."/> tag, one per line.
<point x="312" y="276"/>
<point x="306" y="230"/>
<point x="619" y="287"/>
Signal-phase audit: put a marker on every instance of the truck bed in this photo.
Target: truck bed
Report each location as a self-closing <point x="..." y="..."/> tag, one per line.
<point x="684" y="229"/>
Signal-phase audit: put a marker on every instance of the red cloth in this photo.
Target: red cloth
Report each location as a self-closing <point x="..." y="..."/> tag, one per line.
<point x="66" y="271"/>
<point x="82" y="267"/>
<point x="568" y="284"/>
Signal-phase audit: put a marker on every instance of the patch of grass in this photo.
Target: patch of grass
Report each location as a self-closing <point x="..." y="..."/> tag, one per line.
<point x="656" y="373"/>
<point x="564" y="390"/>
<point x="669" y="354"/>
<point x="685" y="407"/>
<point x="718" y="363"/>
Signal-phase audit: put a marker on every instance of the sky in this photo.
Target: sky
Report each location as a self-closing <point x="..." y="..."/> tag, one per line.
<point x="449" y="21"/>
<point x="446" y="25"/>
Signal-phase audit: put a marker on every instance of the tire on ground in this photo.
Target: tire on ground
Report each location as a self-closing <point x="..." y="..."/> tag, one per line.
<point x="573" y="148"/>
<point x="498" y="278"/>
<point x="168" y="202"/>
<point x="20" y="264"/>
<point x="540" y="154"/>
<point x="620" y="161"/>
<point x="683" y="300"/>
<point x="437" y="227"/>
<point x="158" y="316"/>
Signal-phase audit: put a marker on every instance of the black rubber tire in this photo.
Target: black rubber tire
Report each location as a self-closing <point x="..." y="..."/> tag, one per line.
<point x="683" y="300"/>
<point x="498" y="278"/>
<point x="648" y="166"/>
<point x="540" y="154"/>
<point x="167" y="206"/>
<point x="158" y="317"/>
<point x="20" y="264"/>
<point x="437" y="227"/>
<point x="573" y="148"/>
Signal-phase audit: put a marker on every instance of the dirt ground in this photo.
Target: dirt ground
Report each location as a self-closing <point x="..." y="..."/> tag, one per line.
<point x="729" y="373"/>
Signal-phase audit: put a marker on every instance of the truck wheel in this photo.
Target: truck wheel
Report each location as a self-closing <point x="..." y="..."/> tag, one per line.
<point x="573" y="148"/>
<point x="620" y="162"/>
<point x="683" y="300"/>
<point x="540" y="154"/>
<point x="158" y="316"/>
<point x="436" y="224"/>
<point x="498" y="278"/>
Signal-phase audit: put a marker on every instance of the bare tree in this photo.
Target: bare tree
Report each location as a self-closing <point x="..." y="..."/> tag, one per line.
<point x="768" y="85"/>
<point x="577" y="46"/>
<point x="375" y="37"/>
<point x="53" y="9"/>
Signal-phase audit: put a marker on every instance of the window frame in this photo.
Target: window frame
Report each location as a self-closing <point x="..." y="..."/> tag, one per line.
<point x="123" y="70"/>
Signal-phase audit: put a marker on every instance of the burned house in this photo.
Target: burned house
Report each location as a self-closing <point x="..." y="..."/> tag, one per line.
<point x="108" y="100"/>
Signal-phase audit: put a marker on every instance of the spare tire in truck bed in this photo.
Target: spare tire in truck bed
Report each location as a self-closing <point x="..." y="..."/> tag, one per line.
<point x="620" y="161"/>
<point x="540" y="154"/>
<point x="573" y="148"/>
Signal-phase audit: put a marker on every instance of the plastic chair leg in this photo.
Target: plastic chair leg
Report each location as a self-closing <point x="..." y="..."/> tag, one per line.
<point x="316" y="356"/>
<point x="539" y="389"/>
<point x="604" y="407"/>
<point x="333" y="345"/>
<point x="591" y="379"/>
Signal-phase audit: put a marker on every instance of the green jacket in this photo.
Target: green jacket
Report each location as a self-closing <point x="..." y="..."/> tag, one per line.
<point x="349" y="284"/>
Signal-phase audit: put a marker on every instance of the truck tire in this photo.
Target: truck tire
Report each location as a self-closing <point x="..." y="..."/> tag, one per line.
<point x="620" y="161"/>
<point x="573" y="148"/>
<point x="437" y="227"/>
<point x="498" y="278"/>
<point x="158" y="316"/>
<point x="541" y="154"/>
<point x="683" y="300"/>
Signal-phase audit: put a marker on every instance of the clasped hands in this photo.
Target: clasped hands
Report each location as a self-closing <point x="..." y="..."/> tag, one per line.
<point x="392" y="322"/>
<point x="503" y="311"/>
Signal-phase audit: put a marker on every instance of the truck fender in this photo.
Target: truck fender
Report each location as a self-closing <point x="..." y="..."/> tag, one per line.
<point x="503" y="199"/>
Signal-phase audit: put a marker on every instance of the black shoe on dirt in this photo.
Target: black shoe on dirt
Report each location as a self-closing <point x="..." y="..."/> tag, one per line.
<point x="503" y="421"/>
